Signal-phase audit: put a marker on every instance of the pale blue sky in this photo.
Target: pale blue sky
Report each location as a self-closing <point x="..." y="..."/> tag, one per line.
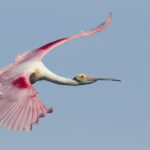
<point x="101" y="116"/>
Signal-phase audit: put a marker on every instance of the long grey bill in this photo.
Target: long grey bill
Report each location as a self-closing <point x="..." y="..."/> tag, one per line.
<point x="106" y="79"/>
<point x="109" y="79"/>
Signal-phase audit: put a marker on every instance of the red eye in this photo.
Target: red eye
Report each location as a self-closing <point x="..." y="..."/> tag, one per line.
<point x="82" y="76"/>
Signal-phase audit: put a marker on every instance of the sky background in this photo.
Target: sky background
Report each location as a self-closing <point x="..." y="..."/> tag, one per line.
<point x="100" y="116"/>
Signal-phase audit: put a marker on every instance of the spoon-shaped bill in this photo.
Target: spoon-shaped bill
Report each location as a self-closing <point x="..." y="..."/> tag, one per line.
<point x="102" y="79"/>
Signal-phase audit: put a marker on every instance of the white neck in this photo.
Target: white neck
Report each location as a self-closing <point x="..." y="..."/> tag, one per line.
<point x="50" y="76"/>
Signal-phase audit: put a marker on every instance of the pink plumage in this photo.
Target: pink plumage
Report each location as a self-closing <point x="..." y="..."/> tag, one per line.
<point x="20" y="108"/>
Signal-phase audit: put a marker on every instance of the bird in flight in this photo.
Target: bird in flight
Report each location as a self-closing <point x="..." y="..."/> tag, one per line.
<point x="20" y="108"/>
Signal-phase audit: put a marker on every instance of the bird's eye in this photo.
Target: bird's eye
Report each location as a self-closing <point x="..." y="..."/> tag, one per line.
<point x="82" y="76"/>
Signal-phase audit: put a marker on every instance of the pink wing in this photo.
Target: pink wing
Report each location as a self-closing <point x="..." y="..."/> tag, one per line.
<point x="19" y="106"/>
<point x="42" y="51"/>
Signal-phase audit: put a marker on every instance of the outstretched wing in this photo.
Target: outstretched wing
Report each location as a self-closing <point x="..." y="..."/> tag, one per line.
<point x="42" y="51"/>
<point x="20" y="108"/>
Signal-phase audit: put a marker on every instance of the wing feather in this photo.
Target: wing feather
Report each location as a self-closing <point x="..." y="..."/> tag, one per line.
<point x="10" y="114"/>
<point x="6" y="111"/>
<point x="21" y="110"/>
<point x="43" y="50"/>
<point x="12" y="119"/>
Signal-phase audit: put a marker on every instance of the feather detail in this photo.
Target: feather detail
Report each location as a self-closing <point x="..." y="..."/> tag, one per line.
<point x="21" y="114"/>
<point x="20" y="108"/>
<point x="21" y="58"/>
<point x="43" y="50"/>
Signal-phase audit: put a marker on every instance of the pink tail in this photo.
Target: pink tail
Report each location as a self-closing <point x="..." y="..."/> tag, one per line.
<point x="20" y="115"/>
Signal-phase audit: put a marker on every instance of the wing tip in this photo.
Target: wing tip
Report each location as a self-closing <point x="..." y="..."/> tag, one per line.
<point x="108" y="19"/>
<point x="110" y="16"/>
<point x="50" y="109"/>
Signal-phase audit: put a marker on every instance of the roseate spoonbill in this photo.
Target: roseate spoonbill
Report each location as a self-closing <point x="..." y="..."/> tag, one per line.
<point x="20" y="108"/>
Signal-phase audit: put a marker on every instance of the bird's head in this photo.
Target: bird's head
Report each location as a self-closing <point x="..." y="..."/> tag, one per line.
<point x="85" y="79"/>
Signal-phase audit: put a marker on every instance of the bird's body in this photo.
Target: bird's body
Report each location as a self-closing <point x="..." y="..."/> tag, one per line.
<point x="20" y="108"/>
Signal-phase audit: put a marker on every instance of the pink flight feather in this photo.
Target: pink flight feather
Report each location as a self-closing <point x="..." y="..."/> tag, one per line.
<point x="43" y="50"/>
